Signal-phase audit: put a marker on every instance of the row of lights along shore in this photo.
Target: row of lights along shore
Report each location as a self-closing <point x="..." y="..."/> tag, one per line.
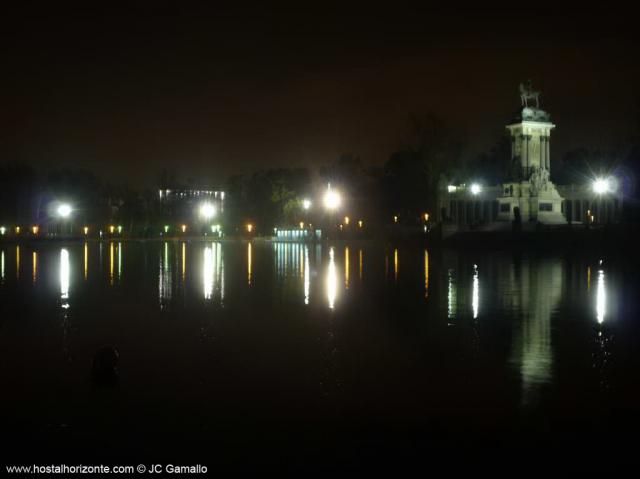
<point x="600" y="186"/>
<point x="332" y="201"/>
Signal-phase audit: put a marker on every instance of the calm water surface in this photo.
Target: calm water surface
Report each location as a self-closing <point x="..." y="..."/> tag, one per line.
<point x="309" y="356"/>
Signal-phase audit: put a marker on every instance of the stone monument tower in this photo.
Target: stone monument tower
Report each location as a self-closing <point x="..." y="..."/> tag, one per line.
<point x="531" y="191"/>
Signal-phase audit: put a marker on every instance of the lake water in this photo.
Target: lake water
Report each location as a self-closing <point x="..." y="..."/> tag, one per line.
<point x="305" y="357"/>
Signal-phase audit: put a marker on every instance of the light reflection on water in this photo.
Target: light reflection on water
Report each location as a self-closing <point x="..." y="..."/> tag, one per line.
<point x="395" y="265"/>
<point x="307" y="275"/>
<point x="34" y="266"/>
<point x="540" y="293"/>
<point x="527" y="292"/>
<point x="294" y="267"/>
<point x="184" y="261"/>
<point x="476" y="292"/>
<point x="346" y="267"/>
<point x="111" y="260"/>
<point x="213" y="273"/>
<point x="601" y="298"/>
<point x="86" y="261"/>
<point x="426" y="273"/>
<point x="332" y="280"/>
<point x="165" y="282"/>
<point x="119" y="260"/>
<point x="452" y="295"/>
<point x="249" y="263"/>
<point x="65" y="275"/>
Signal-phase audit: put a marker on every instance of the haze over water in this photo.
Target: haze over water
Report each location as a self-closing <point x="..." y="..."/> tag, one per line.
<point x="294" y="353"/>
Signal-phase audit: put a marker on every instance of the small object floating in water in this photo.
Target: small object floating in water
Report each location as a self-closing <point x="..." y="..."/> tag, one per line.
<point x="104" y="370"/>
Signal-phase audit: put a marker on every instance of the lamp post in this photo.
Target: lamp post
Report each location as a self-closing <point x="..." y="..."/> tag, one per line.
<point x="602" y="187"/>
<point x="63" y="211"/>
<point x="332" y="201"/>
<point x="208" y="211"/>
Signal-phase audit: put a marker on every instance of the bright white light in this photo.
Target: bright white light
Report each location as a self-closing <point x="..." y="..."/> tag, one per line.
<point x="601" y="186"/>
<point x="475" y="188"/>
<point x="2" y="230"/>
<point x="64" y="210"/>
<point x="207" y="211"/>
<point x="306" y="204"/>
<point x="332" y="199"/>
<point x="452" y="188"/>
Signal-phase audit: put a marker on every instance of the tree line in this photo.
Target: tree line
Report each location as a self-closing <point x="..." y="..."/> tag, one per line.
<point x="406" y="185"/>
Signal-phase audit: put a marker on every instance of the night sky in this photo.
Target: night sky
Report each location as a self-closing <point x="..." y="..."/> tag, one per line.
<point x="209" y="93"/>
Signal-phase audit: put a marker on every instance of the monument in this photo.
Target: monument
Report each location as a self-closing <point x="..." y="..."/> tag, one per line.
<point x="526" y="194"/>
<point x="530" y="194"/>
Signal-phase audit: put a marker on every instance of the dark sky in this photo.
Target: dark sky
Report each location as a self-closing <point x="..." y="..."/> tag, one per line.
<point x="208" y="93"/>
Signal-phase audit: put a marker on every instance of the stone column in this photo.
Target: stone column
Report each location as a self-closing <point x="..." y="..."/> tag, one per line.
<point x="547" y="154"/>
<point x="543" y="152"/>
<point x="525" y="154"/>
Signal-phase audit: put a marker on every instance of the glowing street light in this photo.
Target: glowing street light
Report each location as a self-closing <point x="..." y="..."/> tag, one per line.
<point x="476" y="189"/>
<point x="249" y="228"/>
<point x="183" y="228"/>
<point x="64" y="210"/>
<point x="35" y="229"/>
<point x="306" y="204"/>
<point x="602" y="186"/>
<point x="332" y="199"/>
<point x="207" y="210"/>
<point x="346" y="220"/>
<point x="3" y="230"/>
<point x="86" y="230"/>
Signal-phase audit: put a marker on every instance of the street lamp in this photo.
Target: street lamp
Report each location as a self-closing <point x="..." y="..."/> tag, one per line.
<point x="306" y="204"/>
<point x="602" y="186"/>
<point x="476" y="189"/>
<point x="64" y="213"/>
<point x="332" y="199"/>
<point x="64" y="210"/>
<point x="207" y="211"/>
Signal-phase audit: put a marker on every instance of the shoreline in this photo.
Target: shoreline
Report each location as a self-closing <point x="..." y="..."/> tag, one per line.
<point x="611" y="237"/>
